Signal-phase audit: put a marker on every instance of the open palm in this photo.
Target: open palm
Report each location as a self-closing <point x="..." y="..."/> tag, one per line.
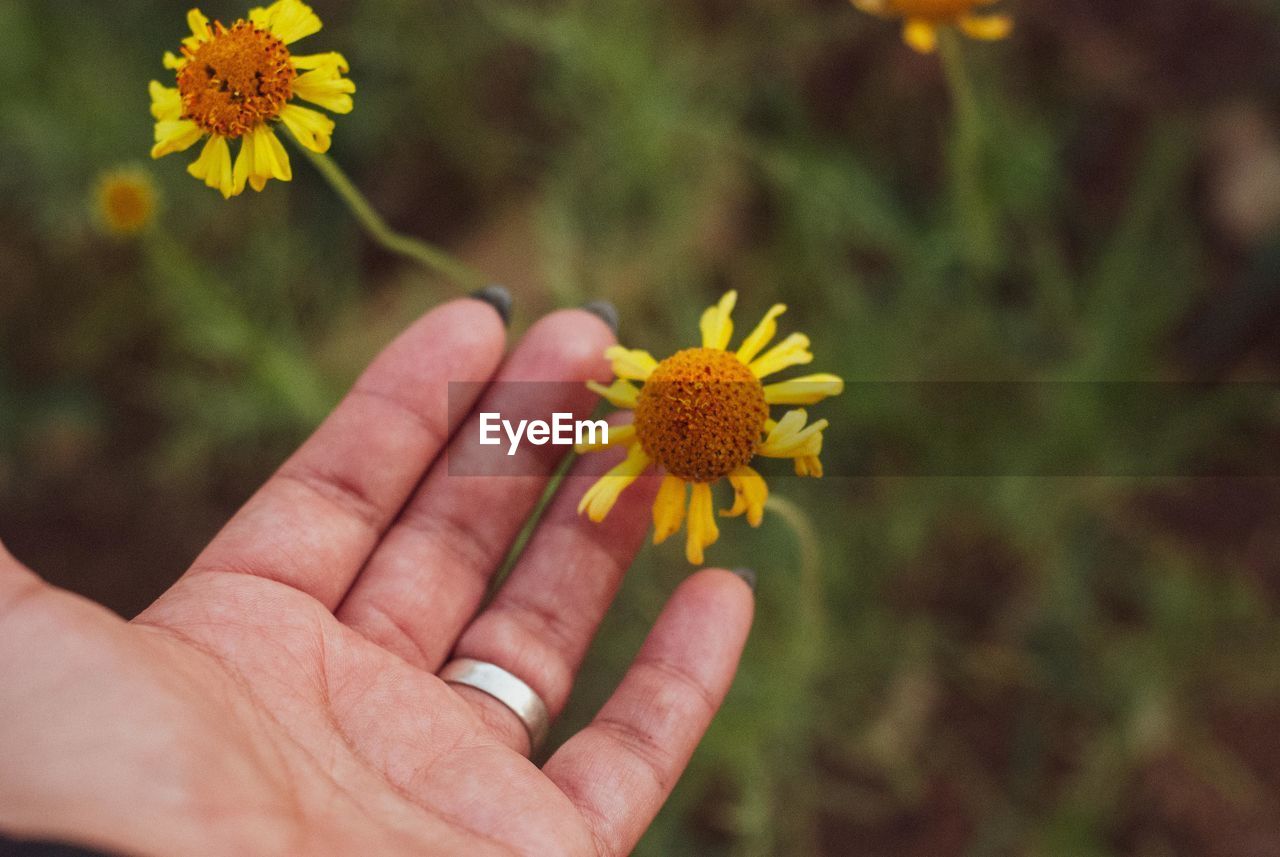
<point x="282" y="696"/>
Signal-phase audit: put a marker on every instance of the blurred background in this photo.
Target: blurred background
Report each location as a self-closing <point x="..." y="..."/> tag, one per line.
<point x="1007" y="663"/>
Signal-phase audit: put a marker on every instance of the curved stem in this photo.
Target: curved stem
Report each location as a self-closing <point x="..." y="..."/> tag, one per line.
<point x="434" y="259"/>
<point x="805" y="650"/>
<point x="810" y="600"/>
<point x="805" y="535"/>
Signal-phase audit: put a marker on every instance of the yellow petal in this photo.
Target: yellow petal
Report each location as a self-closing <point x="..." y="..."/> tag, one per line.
<point x="790" y="438"/>
<point x="779" y="444"/>
<point x="257" y="178"/>
<point x="717" y="325"/>
<point x="921" y="35"/>
<point x="621" y="393"/>
<point x="166" y="102"/>
<point x="806" y="390"/>
<point x="309" y="127"/>
<point x="631" y="363"/>
<point x="326" y="87"/>
<point x="328" y="60"/>
<point x="249" y="152"/>
<point x="618" y="436"/>
<point x="703" y="531"/>
<point x="750" y="493"/>
<point x="175" y="135"/>
<point x="808" y="465"/>
<point x="213" y="166"/>
<point x="668" y="508"/>
<point x="601" y="496"/>
<point x="288" y="20"/>
<point x="243" y="166"/>
<point x="791" y="422"/>
<point x="264" y="158"/>
<point x="281" y="168"/>
<point x="172" y="61"/>
<point x="988" y="28"/>
<point x="764" y="333"/>
<point x="199" y="25"/>
<point x="792" y="351"/>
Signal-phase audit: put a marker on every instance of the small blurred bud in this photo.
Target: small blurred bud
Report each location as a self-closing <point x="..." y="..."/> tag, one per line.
<point x="125" y="201"/>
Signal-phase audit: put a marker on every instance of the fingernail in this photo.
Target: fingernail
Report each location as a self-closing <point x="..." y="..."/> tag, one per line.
<point x="497" y="297"/>
<point x="604" y="311"/>
<point x="748" y="577"/>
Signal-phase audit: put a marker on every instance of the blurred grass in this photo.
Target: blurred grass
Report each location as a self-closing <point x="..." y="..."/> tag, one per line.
<point x="985" y="666"/>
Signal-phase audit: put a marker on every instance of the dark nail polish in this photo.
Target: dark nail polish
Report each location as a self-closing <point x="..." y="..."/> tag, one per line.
<point x="497" y="297"/>
<point x="748" y="577"/>
<point x="604" y="311"/>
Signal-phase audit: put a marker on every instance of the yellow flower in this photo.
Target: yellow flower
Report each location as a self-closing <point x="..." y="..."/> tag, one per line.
<point x="923" y="17"/>
<point x="702" y="415"/>
<point x="239" y="83"/>
<point x="125" y="201"/>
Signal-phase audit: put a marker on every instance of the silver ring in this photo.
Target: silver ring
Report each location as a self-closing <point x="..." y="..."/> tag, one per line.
<point x="507" y="689"/>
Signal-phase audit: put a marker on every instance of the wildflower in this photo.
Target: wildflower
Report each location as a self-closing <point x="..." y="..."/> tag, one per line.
<point x="923" y="17"/>
<point x="125" y="201"/>
<point x="702" y="415"/>
<point x="239" y="83"/>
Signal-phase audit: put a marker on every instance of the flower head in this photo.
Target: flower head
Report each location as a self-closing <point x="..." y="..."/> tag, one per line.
<point x="239" y="83"/>
<point x="921" y="19"/>
<point x="125" y="201"/>
<point x="702" y="415"/>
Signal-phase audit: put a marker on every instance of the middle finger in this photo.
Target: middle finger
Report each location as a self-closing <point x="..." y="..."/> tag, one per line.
<point x="431" y="571"/>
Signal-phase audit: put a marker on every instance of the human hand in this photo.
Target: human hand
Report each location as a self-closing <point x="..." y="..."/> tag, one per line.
<point x="282" y="696"/>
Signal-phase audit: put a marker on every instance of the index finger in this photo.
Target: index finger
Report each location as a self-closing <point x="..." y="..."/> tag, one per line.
<point x="313" y="524"/>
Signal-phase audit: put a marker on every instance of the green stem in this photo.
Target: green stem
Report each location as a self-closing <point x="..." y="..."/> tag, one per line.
<point x="434" y="259"/>
<point x="968" y="164"/>
<point x="531" y="523"/>
<point x="810" y="600"/>
<point x="805" y="650"/>
<point x="805" y="535"/>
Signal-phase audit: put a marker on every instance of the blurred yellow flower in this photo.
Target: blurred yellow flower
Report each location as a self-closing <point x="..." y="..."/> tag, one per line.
<point x="125" y="201"/>
<point x="921" y="19"/>
<point x="702" y="415"/>
<point x="239" y="83"/>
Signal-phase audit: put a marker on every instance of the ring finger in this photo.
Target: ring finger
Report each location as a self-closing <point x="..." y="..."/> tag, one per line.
<point x="541" y="622"/>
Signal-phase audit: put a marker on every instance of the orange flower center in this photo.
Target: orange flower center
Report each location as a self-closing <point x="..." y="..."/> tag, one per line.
<point x="236" y="80"/>
<point x="700" y="414"/>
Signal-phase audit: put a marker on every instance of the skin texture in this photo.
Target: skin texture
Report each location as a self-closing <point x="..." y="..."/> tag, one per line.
<point x="281" y="697"/>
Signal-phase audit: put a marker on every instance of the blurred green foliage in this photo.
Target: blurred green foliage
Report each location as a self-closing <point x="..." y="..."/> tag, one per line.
<point x="1012" y="664"/>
